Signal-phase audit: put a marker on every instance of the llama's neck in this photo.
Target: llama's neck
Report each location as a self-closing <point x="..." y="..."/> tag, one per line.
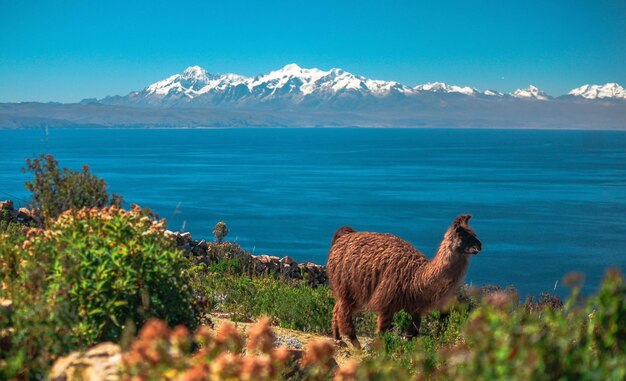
<point x="442" y="275"/>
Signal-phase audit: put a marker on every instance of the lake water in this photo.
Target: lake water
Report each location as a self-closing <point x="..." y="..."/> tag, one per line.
<point x="544" y="202"/>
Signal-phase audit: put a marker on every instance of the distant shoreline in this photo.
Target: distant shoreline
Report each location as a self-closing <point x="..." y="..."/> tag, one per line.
<point x="452" y="112"/>
<point x="117" y="127"/>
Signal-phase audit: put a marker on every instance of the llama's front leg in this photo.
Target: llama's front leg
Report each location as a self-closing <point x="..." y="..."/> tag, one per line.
<point x="384" y="322"/>
<point x="414" y="327"/>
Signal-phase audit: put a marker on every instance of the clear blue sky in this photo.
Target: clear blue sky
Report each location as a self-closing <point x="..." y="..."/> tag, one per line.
<point x="68" y="50"/>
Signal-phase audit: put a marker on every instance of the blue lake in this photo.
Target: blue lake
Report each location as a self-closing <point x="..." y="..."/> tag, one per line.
<point x="544" y="202"/>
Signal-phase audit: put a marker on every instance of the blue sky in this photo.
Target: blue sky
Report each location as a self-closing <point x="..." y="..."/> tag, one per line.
<point x="68" y="50"/>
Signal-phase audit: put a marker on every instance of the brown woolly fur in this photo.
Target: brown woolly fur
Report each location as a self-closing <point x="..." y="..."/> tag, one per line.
<point x="386" y="274"/>
<point x="341" y="232"/>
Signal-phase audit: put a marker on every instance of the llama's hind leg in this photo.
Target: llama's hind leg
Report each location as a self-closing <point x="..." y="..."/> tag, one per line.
<point x="384" y="321"/>
<point x="342" y="319"/>
<point x="335" y="325"/>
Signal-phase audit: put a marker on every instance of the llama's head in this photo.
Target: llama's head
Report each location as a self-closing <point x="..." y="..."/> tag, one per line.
<point x="464" y="240"/>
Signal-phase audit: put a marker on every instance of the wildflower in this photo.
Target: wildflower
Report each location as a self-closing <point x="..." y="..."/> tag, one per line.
<point x="281" y="355"/>
<point x="256" y="367"/>
<point x="203" y="335"/>
<point x="228" y="338"/>
<point x="154" y="329"/>
<point x="227" y="366"/>
<point x="347" y="372"/>
<point x="199" y="372"/>
<point x="180" y="338"/>
<point x="319" y="352"/>
<point x="260" y="336"/>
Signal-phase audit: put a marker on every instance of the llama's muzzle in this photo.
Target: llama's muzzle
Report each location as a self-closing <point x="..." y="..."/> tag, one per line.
<point x="475" y="249"/>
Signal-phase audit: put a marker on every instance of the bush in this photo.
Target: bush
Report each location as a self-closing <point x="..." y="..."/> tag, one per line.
<point x="220" y="231"/>
<point x="56" y="190"/>
<point x="291" y="304"/>
<point x="80" y="281"/>
<point x="14" y="231"/>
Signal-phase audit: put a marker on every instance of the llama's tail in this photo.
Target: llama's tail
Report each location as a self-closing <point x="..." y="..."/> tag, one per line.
<point x="341" y="232"/>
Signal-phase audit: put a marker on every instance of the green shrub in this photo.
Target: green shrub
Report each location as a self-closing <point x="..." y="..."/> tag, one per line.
<point x="55" y="190"/>
<point x="290" y="304"/>
<point x="220" y="231"/>
<point x="14" y="232"/>
<point x="81" y="280"/>
<point x="507" y="342"/>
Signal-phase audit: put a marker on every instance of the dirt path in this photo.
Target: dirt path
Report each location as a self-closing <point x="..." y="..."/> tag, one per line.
<point x="299" y="340"/>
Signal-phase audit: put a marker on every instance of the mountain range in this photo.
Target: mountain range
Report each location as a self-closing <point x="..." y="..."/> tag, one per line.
<point x="299" y="97"/>
<point x="295" y="85"/>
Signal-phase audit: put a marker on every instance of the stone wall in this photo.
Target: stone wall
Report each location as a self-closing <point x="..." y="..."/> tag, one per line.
<point x="285" y="267"/>
<point x="10" y="214"/>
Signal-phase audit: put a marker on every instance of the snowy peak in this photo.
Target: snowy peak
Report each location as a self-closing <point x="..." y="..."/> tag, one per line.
<point x="531" y="92"/>
<point x="440" y="87"/>
<point x="493" y="93"/>
<point x="192" y="82"/>
<point x="608" y="91"/>
<point x="291" y="69"/>
<point x="195" y="73"/>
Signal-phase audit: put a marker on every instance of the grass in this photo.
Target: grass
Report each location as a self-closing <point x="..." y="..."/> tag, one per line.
<point x="290" y="304"/>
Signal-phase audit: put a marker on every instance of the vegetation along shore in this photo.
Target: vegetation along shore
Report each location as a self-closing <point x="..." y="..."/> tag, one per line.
<point x="91" y="290"/>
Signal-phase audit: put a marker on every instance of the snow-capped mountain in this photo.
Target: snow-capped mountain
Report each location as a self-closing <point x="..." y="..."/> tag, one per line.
<point x="440" y="87"/>
<point x="293" y="87"/>
<point x="291" y="82"/>
<point x="192" y="82"/>
<point x="606" y="91"/>
<point x="531" y="92"/>
<point x="195" y="86"/>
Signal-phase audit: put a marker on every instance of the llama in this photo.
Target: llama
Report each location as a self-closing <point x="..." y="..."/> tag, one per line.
<point x="386" y="274"/>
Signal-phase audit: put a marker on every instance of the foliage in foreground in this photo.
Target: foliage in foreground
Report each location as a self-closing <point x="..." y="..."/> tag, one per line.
<point x="55" y="190"/>
<point x="81" y="280"/>
<point x="160" y="353"/>
<point x="502" y="340"/>
<point x="499" y="341"/>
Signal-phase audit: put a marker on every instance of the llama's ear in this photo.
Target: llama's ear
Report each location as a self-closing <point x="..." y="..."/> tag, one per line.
<point x="462" y="220"/>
